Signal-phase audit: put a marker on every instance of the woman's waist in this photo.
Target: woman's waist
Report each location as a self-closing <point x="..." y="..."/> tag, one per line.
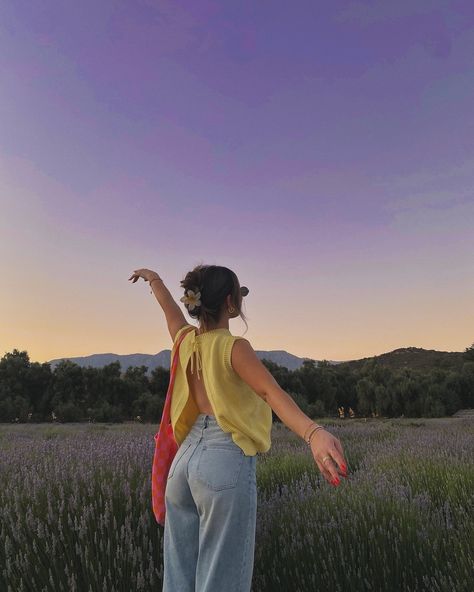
<point x="206" y="427"/>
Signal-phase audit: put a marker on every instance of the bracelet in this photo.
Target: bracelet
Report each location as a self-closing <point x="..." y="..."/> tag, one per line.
<point x="310" y="437"/>
<point x="311" y="424"/>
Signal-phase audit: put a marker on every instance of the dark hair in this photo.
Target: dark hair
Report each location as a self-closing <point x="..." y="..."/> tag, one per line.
<point x="215" y="283"/>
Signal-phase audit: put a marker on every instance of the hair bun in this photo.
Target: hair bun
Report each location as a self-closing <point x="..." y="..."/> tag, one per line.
<point x="211" y="286"/>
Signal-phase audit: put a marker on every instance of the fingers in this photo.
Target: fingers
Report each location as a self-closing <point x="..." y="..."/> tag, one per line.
<point x="338" y="454"/>
<point x="339" y="460"/>
<point x="334" y="464"/>
<point x="134" y="277"/>
<point x="324" y="472"/>
<point x="326" y="467"/>
<point x="331" y="468"/>
<point x="338" y="445"/>
<point x="139" y="273"/>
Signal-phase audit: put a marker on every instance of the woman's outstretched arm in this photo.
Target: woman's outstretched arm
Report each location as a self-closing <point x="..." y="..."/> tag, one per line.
<point x="324" y="445"/>
<point x="175" y="318"/>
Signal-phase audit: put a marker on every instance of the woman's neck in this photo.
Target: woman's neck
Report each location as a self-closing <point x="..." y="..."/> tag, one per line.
<point x="202" y="330"/>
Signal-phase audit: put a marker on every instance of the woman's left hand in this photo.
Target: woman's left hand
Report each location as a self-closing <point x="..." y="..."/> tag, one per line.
<point x="146" y="274"/>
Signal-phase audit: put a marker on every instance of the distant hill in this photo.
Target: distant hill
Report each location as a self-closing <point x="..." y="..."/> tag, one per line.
<point x="405" y="357"/>
<point x="415" y="358"/>
<point x="163" y="359"/>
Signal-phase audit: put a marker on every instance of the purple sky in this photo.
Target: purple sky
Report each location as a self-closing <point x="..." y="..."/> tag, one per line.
<point x="323" y="151"/>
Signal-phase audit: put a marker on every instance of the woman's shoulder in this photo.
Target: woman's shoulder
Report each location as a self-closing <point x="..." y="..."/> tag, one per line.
<point x="181" y="330"/>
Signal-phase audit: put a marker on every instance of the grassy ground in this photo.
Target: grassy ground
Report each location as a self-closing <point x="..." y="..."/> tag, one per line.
<point x="75" y="509"/>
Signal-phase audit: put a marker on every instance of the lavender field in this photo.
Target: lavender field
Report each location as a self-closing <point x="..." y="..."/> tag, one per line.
<point x="75" y="510"/>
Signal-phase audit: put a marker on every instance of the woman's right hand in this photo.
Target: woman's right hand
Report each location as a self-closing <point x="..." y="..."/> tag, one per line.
<point x="324" y="444"/>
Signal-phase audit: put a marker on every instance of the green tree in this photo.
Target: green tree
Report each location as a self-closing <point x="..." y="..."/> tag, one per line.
<point x="382" y="400"/>
<point x="366" y="402"/>
<point x="468" y="353"/>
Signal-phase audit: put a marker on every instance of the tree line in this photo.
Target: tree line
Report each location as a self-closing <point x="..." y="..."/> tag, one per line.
<point x="33" y="392"/>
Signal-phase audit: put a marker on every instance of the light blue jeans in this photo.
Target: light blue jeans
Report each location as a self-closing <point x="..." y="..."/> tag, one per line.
<point x="211" y="509"/>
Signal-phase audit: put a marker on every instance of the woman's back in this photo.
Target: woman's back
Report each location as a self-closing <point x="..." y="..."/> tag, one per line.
<point x="205" y="382"/>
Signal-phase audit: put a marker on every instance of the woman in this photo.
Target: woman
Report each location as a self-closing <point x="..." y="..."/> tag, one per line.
<point x="221" y="412"/>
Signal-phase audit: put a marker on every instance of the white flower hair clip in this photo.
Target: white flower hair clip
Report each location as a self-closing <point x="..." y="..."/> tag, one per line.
<point x="191" y="299"/>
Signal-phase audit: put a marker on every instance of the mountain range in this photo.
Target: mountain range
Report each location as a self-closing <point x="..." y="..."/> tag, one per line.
<point x="405" y="357"/>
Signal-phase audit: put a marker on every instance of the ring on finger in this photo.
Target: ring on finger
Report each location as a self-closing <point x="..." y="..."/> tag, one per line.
<point x="325" y="459"/>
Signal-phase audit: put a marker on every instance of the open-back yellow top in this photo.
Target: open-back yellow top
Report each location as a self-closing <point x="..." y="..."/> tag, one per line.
<point x="237" y="408"/>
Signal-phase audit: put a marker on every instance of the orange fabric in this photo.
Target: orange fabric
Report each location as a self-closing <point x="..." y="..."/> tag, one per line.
<point x="165" y="449"/>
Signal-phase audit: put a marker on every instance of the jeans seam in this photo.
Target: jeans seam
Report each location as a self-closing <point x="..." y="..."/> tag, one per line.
<point x="247" y="539"/>
<point x="190" y="456"/>
<point x="179" y="454"/>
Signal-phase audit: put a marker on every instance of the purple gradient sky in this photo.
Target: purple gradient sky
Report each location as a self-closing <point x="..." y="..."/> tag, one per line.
<point x="324" y="151"/>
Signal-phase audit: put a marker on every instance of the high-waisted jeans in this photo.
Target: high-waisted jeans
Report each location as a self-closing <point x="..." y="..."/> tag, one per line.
<point x="211" y="509"/>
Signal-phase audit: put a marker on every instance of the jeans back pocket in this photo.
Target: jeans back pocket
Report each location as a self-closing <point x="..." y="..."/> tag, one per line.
<point x="218" y="466"/>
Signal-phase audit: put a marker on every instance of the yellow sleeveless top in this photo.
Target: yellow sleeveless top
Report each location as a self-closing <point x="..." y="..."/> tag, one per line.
<point x="237" y="408"/>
